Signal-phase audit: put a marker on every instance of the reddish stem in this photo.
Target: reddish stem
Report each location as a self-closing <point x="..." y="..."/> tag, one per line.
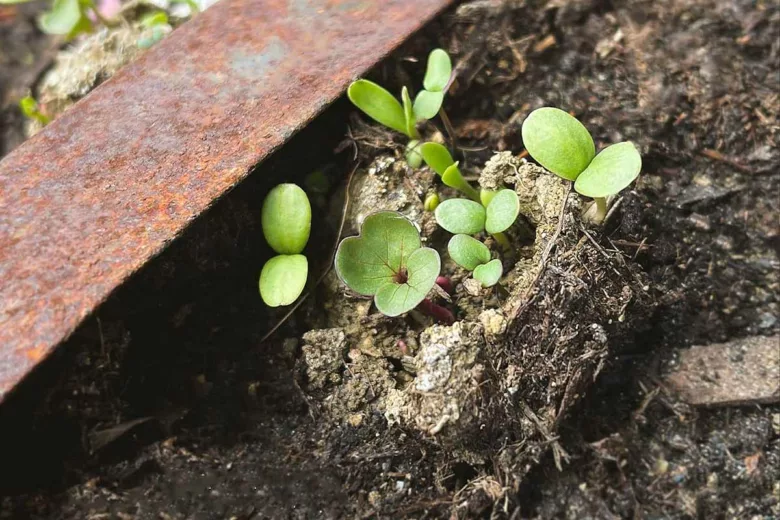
<point x="437" y="312"/>
<point x="445" y="283"/>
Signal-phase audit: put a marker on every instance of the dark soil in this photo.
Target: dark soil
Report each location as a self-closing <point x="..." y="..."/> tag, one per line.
<point x="24" y="53"/>
<point x="222" y="428"/>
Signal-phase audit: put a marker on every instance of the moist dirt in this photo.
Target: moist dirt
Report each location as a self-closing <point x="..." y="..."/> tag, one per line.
<point x="546" y="399"/>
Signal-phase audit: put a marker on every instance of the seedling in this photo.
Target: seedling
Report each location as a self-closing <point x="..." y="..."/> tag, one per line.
<point x="438" y="158"/>
<point x="387" y="261"/>
<point x="286" y="222"/>
<point x="473" y="255"/>
<point x="560" y="143"/>
<point x="461" y="216"/>
<point x="381" y="106"/>
<point x="29" y="107"/>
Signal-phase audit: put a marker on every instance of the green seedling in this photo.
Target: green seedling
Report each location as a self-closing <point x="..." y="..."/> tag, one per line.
<point x="286" y="222"/>
<point x="469" y="217"/>
<point x="431" y="202"/>
<point x="387" y="261"/>
<point x="29" y="107"/>
<point x="437" y="77"/>
<point x="560" y="143"/>
<point x="473" y="255"/>
<point x="381" y="106"/>
<point x="438" y="158"/>
<point x="67" y="18"/>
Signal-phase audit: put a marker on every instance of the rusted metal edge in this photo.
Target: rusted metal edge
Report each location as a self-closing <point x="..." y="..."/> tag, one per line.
<point x="88" y="201"/>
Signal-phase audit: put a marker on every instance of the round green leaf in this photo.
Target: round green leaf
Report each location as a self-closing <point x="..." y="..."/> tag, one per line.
<point x="437" y="157"/>
<point x="286" y="219"/>
<point x="461" y="216"/>
<point x="558" y="142"/>
<point x="368" y="261"/>
<point x="427" y="104"/>
<point x="468" y="252"/>
<point x="282" y="279"/>
<point x="63" y="17"/>
<point x="488" y="274"/>
<point x="502" y="211"/>
<point x="378" y="104"/>
<point x="422" y="268"/>
<point x="438" y="71"/>
<point x="612" y="170"/>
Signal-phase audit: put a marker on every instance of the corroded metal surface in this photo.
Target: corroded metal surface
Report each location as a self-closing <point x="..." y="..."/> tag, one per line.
<point x="86" y="202"/>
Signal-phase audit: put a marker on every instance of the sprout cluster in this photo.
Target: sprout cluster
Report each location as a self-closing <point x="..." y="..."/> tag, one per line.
<point x="286" y="222"/>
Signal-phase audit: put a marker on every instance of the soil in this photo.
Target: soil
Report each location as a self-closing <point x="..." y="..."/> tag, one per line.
<point x="167" y="404"/>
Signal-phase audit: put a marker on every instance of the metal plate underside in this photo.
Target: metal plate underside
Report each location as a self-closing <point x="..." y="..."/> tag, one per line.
<point x="89" y="200"/>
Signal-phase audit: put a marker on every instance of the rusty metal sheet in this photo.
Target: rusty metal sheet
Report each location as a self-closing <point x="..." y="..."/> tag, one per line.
<point x="85" y="203"/>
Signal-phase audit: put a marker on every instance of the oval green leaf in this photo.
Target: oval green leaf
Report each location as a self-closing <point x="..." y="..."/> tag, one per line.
<point x="437" y="157"/>
<point x="468" y="252"/>
<point x="63" y="17"/>
<point x="489" y="274"/>
<point x="461" y="216"/>
<point x="370" y="260"/>
<point x="438" y="71"/>
<point x="378" y="104"/>
<point x="427" y="104"/>
<point x="612" y="170"/>
<point x="502" y="211"/>
<point x="282" y="279"/>
<point x="559" y="142"/>
<point x="423" y="267"/>
<point x="413" y="156"/>
<point x="286" y="219"/>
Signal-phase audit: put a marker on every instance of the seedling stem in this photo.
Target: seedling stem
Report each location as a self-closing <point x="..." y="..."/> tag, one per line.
<point x="502" y="241"/>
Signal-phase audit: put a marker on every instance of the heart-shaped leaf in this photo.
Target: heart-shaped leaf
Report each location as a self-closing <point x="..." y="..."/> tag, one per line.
<point x="489" y="274"/>
<point x="438" y="71"/>
<point x="378" y="104"/>
<point x="559" y="142"/>
<point x="502" y="211"/>
<point x="468" y="252"/>
<point x="437" y="157"/>
<point x="63" y="17"/>
<point x="386" y="261"/>
<point x="427" y="104"/>
<point x="286" y="219"/>
<point x="282" y="279"/>
<point x="612" y="170"/>
<point x="461" y="216"/>
<point x="422" y="267"/>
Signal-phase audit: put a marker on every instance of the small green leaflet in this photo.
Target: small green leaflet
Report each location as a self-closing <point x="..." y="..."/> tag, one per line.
<point x="468" y="252"/>
<point x="427" y="104"/>
<point x="283" y="279"/>
<point x="502" y="211"/>
<point x="378" y="104"/>
<point x="438" y="71"/>
<point x="489" y="274"/>
<point x="557" y="141"/>
<point x="612" y="170"/>
<point x="461" y="216"/>
<point x="437" y="157"/>
<point x="63" y="18"/>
